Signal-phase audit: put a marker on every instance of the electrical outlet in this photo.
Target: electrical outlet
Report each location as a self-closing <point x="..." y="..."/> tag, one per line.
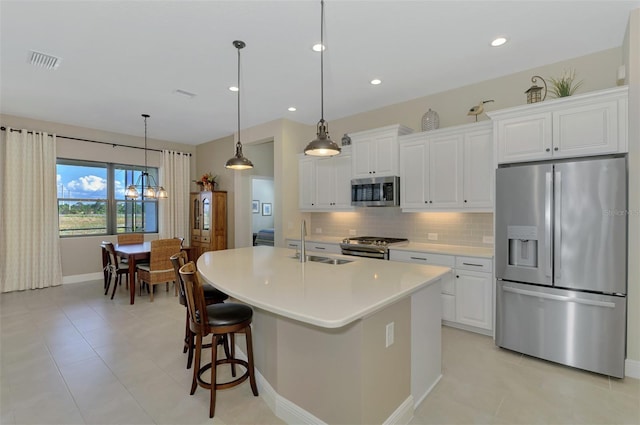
<point x="487" y="239"/>
<point x="318" y="229"/>
<point x="432" y="236"/>
<point x="352" y="232"/>
<point x="389" y="334"/>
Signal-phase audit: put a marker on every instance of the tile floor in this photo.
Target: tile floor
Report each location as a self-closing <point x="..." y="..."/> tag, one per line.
<point x="70" y="355"/>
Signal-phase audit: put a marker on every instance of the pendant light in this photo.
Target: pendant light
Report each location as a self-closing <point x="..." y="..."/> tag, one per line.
<point x="145" y="179"/>
<point x="239" y="162"/>
<point x="322" y="145"/>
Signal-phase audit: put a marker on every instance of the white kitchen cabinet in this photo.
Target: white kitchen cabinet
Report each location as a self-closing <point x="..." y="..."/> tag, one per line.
<point x="467" y="295"/>
<point x="582" y="125"/>
<point x="447" y="170"/>
<point x="307" y="183"/>
<point x="478" y="169"/>
<point x="333" y="182"/>
<point x="375" y="152"/>
<point x="326" y="247"/>
<point x="325" y="183"/>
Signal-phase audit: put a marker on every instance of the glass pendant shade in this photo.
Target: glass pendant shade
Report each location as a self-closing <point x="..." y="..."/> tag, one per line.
<point x="131" y="192"/>
<point x="322" y="145"/>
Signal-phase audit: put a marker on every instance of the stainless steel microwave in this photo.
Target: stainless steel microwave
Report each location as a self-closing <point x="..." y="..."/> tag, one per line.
<point x="376" y="192"/>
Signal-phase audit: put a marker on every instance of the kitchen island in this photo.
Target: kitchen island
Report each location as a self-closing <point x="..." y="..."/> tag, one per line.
<point x="336" y="343"/>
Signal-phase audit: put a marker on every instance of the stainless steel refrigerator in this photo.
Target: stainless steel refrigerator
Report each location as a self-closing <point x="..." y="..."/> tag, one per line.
<point x="561" y="261"/>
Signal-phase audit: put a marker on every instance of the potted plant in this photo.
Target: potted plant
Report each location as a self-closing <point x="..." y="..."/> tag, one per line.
<point x="565" y="85"/>
<point x="207" y="182"/>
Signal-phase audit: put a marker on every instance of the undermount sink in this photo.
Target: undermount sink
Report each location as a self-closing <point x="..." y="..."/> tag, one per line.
<point x="324" y="260"/>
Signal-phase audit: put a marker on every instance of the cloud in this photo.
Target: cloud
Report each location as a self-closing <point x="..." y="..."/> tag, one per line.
<point x="88" y="185"/>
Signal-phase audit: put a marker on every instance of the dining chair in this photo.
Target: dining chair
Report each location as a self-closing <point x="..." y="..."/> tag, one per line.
<point x="159" y="269"/>
<point x="216" y="320"/>
<point x="130" y="238"/>
<point x="211" y="296"/>
<point x="115" y="268"/>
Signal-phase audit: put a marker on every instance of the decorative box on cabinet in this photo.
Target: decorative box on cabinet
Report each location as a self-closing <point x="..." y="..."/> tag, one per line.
<point x="325" y="183"/>
<point x="375" y="152"/>
<point x="581" y="125"/>
<point x="208" y="222"/>
<point x="448" y="169"/>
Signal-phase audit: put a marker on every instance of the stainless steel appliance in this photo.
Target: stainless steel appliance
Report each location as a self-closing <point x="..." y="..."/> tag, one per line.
<point x="376" y="192"/>
<point x="561" y="261"/>
<point x="370" y="246"/>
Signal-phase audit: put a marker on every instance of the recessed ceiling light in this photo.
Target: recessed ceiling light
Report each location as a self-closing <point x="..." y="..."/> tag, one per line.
<point x="233" y="88"/>
<point x="375" y="81"/>
<point x="318" y="47"/>
<point x="498" y="41"/>
<point x="291" y="109"/>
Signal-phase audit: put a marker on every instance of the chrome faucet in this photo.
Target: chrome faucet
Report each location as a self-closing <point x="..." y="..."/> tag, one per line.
<point x="303" y="248"/>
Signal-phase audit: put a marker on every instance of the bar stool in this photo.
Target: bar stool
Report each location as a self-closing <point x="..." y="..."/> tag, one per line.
<point x="216" y="320"/>
<point x="211" y="296"/>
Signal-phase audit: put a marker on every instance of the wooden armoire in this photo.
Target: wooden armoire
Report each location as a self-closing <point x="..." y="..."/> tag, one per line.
<point x="208" y="222"/>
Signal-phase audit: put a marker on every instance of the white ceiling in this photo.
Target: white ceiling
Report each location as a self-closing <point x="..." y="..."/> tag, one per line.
<point x="124" y="58"/>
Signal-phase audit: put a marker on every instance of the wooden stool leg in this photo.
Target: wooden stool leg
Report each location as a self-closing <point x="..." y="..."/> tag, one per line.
<point x="190" y="350"/>
<point x="252" y="376"/>
<point x="214" y="359"/>
<point x="233" y="352"/>
<point x="196" y="367"/>
<point x="185" y="346"/>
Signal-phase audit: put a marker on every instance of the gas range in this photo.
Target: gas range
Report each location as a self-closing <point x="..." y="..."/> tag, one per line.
<point x="370" y="246"/>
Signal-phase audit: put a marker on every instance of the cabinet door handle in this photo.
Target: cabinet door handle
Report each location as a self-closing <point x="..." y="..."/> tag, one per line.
<point x="548" y="150"/>
<point x="293" y="245"/>
<point x="431" y="202"/>
<point x="418" y="258"/>
<point x="555" y="149"/>
<point x="472" y="264"/>
<point x="457" y="276"/>
<point x="319" y="247"/>
<point x="465" y="201"/>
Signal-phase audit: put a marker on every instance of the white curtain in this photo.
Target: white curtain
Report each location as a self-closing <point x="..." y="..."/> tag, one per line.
<point x="29" y="241"/>
<point x="174" y="211"/>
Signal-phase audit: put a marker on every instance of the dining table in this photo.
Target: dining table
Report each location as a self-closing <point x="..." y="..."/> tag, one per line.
<point x="136" y="253"/>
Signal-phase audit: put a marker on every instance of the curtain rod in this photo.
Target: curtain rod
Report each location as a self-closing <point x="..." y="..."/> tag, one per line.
<point x="96" y="141"/>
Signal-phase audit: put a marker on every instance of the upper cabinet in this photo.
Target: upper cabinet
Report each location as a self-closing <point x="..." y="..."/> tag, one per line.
<point x="448" y="169"/>
<point x="591" y="124"/>
<point x="375" y="152"/>
<point x="325" y="183"/>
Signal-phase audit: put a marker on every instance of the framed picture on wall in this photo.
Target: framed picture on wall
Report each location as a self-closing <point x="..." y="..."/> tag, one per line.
<point x="266" y="209"/>
<point x="255" y="206"/>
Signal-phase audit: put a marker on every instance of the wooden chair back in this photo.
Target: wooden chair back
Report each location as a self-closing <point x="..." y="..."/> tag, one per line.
<point x="178" y="260"/>
<point x="130" y="238"/>
<point x="194" y="293"/>
<point x="112" y="258"/>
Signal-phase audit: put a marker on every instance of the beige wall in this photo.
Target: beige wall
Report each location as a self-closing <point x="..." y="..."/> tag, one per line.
<point x="632" y="64"/>
<point x="81" y="255"/>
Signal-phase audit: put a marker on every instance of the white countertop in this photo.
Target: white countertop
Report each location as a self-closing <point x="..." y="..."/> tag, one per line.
<point x="325" y="295"/>
<point x="470" y="251"/>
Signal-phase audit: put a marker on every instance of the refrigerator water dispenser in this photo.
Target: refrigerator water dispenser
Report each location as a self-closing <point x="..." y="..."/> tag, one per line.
<point x="523" y="246"/>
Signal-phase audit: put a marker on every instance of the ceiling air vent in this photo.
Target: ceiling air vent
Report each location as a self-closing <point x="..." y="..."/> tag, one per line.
<point x="43" y="60"/>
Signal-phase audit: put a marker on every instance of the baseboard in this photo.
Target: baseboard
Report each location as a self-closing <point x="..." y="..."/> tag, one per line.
<point x="404" y="413"/>
<point x="487" y="332"/>
<point x="632" y="368"/>
<point x="78" y="278"/>
<point x="423" y="396"/>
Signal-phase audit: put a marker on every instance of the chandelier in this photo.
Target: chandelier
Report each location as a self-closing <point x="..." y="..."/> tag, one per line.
<point x="145" y="179"/>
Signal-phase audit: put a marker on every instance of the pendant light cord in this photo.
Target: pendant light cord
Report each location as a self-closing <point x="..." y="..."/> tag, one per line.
<point x="239" y="93"/>
<point x="322" y="61"/>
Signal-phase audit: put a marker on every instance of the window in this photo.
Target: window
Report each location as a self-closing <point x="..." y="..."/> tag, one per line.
<point x="91" y="199"/>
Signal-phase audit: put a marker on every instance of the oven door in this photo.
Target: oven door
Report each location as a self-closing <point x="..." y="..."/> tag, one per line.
<point x="364" y="251"/>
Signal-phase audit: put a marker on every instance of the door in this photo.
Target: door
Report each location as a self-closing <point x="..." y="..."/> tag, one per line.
<point x="325" y="182"/>
<point x="591" y="225"/>
<point x="307" y="188"/>
<point x="414" y="171"/>
<point x="478" y="170"/>
<point x="342" y="166"/>
<point x="445" y="172"/>
<point x="473" y="298"/>
<point x="523" y="223"/>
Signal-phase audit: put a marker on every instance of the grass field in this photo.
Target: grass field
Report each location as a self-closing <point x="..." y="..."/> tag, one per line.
<point x="86" y="224"/>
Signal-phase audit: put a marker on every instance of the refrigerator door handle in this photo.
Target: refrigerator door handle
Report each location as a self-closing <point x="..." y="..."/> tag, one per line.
<point x="557" y="249"/>
<point x="547" y="223"/>
<point x="559" y="297"/>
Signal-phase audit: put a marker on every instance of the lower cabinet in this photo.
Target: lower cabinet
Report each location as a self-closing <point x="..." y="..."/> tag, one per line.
<point x="329" y="248"/>
<point x="467" y="295"/>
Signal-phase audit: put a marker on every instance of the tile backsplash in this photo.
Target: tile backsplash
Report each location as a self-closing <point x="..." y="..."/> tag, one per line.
<point x="451" y="228"/>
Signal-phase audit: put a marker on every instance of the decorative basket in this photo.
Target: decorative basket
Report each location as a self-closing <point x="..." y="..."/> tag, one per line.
<point x="430" y="120"/>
